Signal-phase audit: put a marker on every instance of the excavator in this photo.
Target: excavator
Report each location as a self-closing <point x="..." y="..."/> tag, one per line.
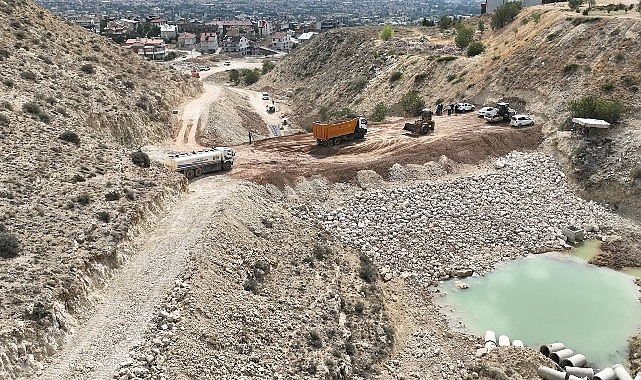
<point x="423" y="125"/>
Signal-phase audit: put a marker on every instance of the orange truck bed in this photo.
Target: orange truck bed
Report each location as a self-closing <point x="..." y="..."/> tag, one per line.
<point x="326" y="131"/>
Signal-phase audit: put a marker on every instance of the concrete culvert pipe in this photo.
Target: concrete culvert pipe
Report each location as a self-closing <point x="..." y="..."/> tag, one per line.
<point x="517" y="343"/>
<point x="580" y="372"/>
<point x="638" y="377"/>
<point x="576" y="360"/>
<point x="621" y="372"/>
<point x="490" y="346"/>
<point x="504" y="341"/>
<point x="550" y="374"/>
<point x="547" y="349"/>
<point x="490" y="336"/>
<point x="605" y="374"/>
<point x="560" y="355"/>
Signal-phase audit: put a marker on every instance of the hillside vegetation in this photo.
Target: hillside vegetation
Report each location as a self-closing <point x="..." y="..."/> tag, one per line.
<point x="545" y="58"/>
<point x="73" y="108"/>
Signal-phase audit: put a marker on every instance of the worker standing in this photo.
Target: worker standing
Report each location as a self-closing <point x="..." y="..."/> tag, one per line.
<point x="250" y="136"/>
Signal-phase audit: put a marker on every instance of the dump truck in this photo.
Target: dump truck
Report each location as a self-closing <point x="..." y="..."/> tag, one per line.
<point x="197" y="163"/>
<point x="501" y="113"/>
<point x="334" y="133"/>
<point x="423" y="125"/>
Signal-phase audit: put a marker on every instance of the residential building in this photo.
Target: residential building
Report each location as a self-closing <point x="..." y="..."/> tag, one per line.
<point x="236" y="44"/>
<point x="168" y="32"/>
<point x="208" y="43"/>
<point x="491" y="5"/>
<point x="186" y="41"/>
<point x="150" y="48"/>
<point x="281" y="41"/>
<point x="265" y="28"/>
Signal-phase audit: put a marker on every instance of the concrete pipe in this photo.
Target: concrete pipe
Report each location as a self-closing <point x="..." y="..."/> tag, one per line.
<point x="547" y="349"/>
<point x="605" y="374"/>
<point x="577" y="360"/>
<point x="504" y="341"/>
<point x="621" y="372"/>
<point x="517" y="343"/>
<point x="490" y="336"/>
<point x="638" y="377"/>
<point x="490" y="346"/>
<point x="560" y="355"/>
<point x="572" y="377"/>
<point x="580" y="372"/>
<point x="550" y="374"/>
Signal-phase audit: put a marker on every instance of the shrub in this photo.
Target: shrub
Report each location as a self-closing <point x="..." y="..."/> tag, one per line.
<point x="575" y="4"/>
<point x="88" y="68"/>
<point x="84" y="199"/>
<point x="4" y="54"/>
<point x="103" y="216"/>
<point x="593" y="107"/>
<point x="44" y="117"/>
<point x="475" y="48"/>
<point x="314" y="339"/>
<point x="463" y="37"/>
<point x="344" y="112"/>
<point x="234" y="76"/>
<point x="140" y="158"/>
<point x="8" y="82"/>
<point x="367" y="270"/>
<point x="570" y="68"/>
<point x="450" y="77"/>
<point x="636" y="173"/>
<point x="359" y="83"/>
<point x="504" y="14"/>
<point x="4" y="120"/>
<point x="396" y="75"/>
<point x="446" y="58"/>
<point x="321" y="252"/>
<point x="28" y="75"/>
<point x="267" y="67"/>
<point x="412" y="102"/>
<point x="9" y="245"/>
<point x="323" y="112"/>
<point x="251" y="76"/>
<point x="32" y="108"/>
<point x="386" y="33"/>
<point x="418" y="78"/>
<point x="359" y="307"/>
<point x="70" y="136"/>
<point x="45" y="59"/>
<point x="607" y="87"/>
<point x="445" y="22"/>
<point x="380" y="112"/>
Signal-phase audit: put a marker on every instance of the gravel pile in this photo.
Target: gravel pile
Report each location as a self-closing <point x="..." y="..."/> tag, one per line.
<point x="435" y="230"/>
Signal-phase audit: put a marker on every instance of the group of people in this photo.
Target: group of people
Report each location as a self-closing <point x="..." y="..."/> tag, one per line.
<point x="450" y="108"/>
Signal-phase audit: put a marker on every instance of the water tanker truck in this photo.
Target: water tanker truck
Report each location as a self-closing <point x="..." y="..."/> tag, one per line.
<point x="195" y="164"/>
<point x="334" y="133"/>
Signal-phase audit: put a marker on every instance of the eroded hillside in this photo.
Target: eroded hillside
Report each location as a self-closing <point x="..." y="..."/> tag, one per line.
<point x="73" y="107"/>
<point x="546" y="57"/>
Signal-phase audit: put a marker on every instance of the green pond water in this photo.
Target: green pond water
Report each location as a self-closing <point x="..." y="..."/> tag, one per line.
<point x="553" y="298"/>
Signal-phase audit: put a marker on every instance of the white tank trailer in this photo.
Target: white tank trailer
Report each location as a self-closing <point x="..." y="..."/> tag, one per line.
<point x="197" y="163"/>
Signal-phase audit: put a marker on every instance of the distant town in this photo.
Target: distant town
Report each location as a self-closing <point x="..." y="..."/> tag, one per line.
<point x="243" y="27"/>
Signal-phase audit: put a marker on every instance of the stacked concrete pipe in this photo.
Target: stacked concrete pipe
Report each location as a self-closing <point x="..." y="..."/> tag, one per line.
<point x="621" y="372"/>
<point x="605" y="374"/>
<point x="490" y="340"/>
<point x="587" y="372"/>
<point x="560" y="355"/>
<point x="547" y="349"/>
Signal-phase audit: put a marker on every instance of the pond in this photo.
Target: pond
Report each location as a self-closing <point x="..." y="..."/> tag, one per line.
<point x="553" y="298"/>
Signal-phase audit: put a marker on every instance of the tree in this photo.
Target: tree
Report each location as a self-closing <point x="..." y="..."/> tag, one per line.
<point x="575" y="4"/>
<point x="445" y="22"/>
<point x="386" y="33"/>
<point x="380" y="111"/>
<point x="427" y="22"/>
<point x="412" y="102"/>
<point x="267" y="67"/>
<point x="475" y="48"/>
<point x="592" y="107"/>
<point x="234" y="76"/>
<point x="251" y="76"/>
<point x="481" y="26"/>
<point x="464" y="36"/>
<point x="504" y="14"/>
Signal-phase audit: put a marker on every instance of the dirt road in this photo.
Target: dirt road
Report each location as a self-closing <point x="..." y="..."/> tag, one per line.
<point x="127" y="306"/>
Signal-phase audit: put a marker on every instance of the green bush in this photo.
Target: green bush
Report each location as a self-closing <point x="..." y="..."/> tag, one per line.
<point x="314" y="339"/>
<point x="234" y="75"/>
<point x="267" y="67"/>
<point x="359" y="83"/>
<point x="418" y="78"/>
<point x="251" y="76"/>
<point x="475" y="48"/>
<point x="386" y="33"/>
<point x="9" y="245"/>
<point x="8" y="82"/>
<point x="412" y="102"/>
<point x="504" y="14"/>
<point x="463" y="37"/>
<point x="593" y="107"/>
<point x="446" y="58"/>
<point x="445" y="22"/>
<point x="32" y="108"/>
<point x="636" y="173"/>
<point x="607" y="86"/>
<point x="570" y="68"/>
<point x="4" y="54"/>
<point x="112" y="196"/>
<point x="575" y="4"/>
<point x="140" y="158"/>
<point x="396" y="75"/>
<point x="380" y="112"/>
<point x="4" y="120"/>
<point x="450" y="77"/>
<point x="103" y="216"/>
<point x="323" y="112"/>
<point x="28" y="75"/>
<point x="84" y="199"/>
<point x="70" y="136"/>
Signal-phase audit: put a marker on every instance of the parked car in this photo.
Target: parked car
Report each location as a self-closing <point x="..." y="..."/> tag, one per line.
<point x="464" y="107"/>
<point x="227" y="63"/>
<point x="265" y="96"/>
<point x="521" y="120"/>
<point x="485" y="110"/>
<point x="204" y="68"/>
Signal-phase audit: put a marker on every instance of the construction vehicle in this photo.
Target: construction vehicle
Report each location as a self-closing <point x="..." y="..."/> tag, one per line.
<point x="423" y="125"/>
<point x="334" y="133"/>
<point x="271" y="108"/>
<point x="501" y="113"/>
<point x="195" y="164"/>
